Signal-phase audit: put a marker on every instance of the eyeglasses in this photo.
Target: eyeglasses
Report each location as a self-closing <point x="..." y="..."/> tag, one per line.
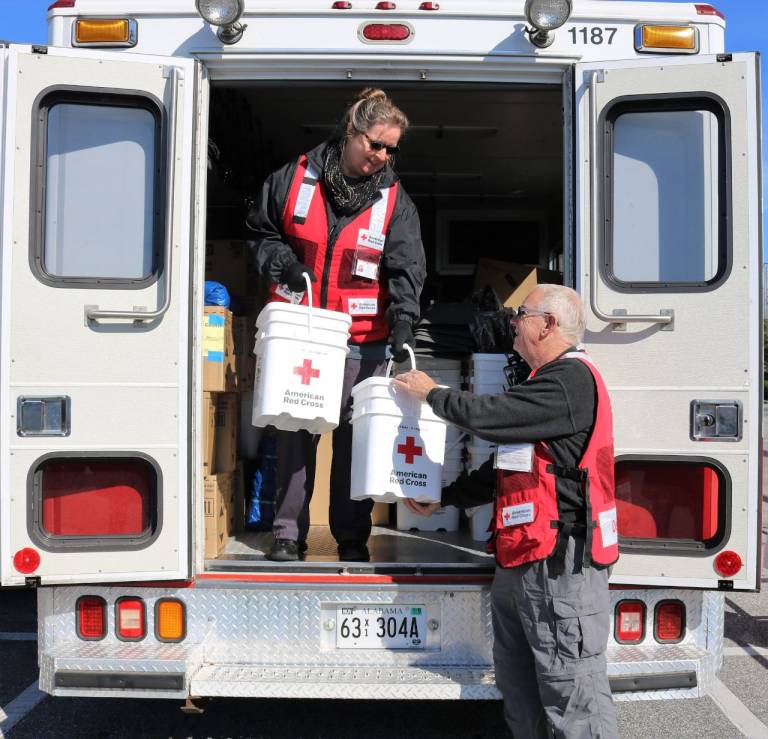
<point x="379" y="145"/>
<point x="524" y="311"/>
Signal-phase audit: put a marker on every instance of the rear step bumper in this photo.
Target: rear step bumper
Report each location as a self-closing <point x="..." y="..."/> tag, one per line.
<point x="280" y="640"/>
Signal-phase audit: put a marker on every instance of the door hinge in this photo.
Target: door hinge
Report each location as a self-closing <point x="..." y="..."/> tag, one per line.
<point x="39" y="49"/>
<point x="32" y="582"/>
<point x="724" y="57"/>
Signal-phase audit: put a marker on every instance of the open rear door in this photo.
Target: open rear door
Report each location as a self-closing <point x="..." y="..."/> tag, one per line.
<point x="96" y="181"/>
<point x="669" y="260"/>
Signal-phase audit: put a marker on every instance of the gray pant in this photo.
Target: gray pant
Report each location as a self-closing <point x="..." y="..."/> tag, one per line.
<point x="550" y="637"/>
<point x="350" y="520"/>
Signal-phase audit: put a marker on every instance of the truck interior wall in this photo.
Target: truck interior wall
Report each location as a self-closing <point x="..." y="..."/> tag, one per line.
<point x="483" y="164"/>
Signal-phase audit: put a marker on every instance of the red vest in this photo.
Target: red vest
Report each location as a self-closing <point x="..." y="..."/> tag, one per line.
<point x="349" y="277"/>
<point x="526" y="521"/>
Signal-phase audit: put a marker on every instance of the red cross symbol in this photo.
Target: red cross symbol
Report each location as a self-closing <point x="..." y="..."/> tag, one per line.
<point x="306" y="372"/>
<point x="364" y="237"/>
<point x="353" y="306"/>
<point x="507" y="516"/>
<point x="409" y="449"/>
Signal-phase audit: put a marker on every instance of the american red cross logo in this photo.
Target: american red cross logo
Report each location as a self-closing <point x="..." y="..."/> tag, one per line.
<point x="364" y="237"/>
<point x="507" y="516"/>
<point x="306" y="372"/>
<point x="409" y="449"/>
<point x="353" y="306"/>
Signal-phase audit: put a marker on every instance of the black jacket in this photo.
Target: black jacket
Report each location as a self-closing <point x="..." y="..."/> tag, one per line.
<point x="557" y="406"/>
<point x="403" y="264"/>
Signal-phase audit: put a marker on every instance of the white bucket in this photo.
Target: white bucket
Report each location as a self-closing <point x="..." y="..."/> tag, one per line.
<point x="488" y="386"/>
<point x="479" y="520"/>
<point x="489" y="363"/>
<point x="444" y="519"/>
<point x="398" y="444"/>
<point x="300" y="353"/>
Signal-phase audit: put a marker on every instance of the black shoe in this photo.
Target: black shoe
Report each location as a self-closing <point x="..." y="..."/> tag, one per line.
<point x="284" y="550"/>
<point x="303" y="546"/>
<point x="353" y="551"/>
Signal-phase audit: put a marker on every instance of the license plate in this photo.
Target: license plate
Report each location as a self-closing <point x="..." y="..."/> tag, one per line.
<point x="381" y="627"/>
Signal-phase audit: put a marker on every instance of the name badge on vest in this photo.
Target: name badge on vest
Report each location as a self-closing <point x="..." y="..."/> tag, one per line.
<point x="371" y="239"/>
<point x="608" y="528"/>
<point x="514" y="515"/>
<point x="287" y="294"/>
<point x="362" y="306"/>
<point x="366" y="266"/>
<point x="514" y="457"/>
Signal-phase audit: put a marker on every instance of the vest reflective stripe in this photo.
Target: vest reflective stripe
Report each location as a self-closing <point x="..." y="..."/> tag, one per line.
<point x="305" y="225"/>
<point x="532" y="496"/>
<point x="306" y="191"/>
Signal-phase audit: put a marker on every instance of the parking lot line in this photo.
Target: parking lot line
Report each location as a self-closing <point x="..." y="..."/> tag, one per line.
<point x="19" y="707"/>
<point x="746" y="651"/>
<point x="737" y="713"/>
<point x="18" y="636"/>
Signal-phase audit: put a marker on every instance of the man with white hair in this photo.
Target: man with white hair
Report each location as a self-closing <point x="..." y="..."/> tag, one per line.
<point x="554" y="524"/>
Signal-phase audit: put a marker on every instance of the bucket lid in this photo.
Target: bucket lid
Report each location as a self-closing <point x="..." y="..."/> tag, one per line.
<point x="299" y="313"/>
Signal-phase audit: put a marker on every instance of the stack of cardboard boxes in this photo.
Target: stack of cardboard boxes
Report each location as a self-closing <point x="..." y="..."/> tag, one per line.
<point x="228" y="367"/>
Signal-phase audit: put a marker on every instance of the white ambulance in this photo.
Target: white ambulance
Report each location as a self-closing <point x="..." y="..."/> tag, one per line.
<point x="615" y="142"/>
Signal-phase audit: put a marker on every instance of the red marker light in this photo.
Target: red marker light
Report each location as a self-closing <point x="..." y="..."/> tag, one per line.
<point x="727" y="563"/>
<point x="386" y="32"/>
<point x="702" y="9"/>
<point x="429" y="6"/>
<point x="341" y="5"/>
<point x="630" y="622"/>
<point x="62" y="4"/>
<point x="130" y="619"/>
<point x="385" y="6"/>
<point x="26" y="560"/>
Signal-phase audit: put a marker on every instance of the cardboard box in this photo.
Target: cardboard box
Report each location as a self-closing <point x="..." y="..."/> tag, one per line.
<point x="318" y="506"/>
<point x="244" y="336"/>
<point x="209" y="433"/>
<point x="227" y="421"/>
<point x="218" y="351"/>
<point x="512" y="282"/>
<point x="217" y="494"/>
<point x="228" y="262"/>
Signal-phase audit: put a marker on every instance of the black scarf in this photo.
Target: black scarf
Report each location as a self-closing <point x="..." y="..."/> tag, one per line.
<point x="348" y="195"/>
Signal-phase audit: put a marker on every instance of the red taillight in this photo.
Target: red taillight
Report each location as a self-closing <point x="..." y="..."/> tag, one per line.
<point x="702" y="9"/>
<point x="629" y="624"/>
<point x="386" y="32"/>
<point x="341" y="5"/>
<point x="727" y="564"/>
<point x="62" y="4"/>
<point x="385" y="6"/>
<point x="429" y="6"/>
<point x="91" y="617"/>
<point x="26" y="560"/>
<point x="669" y="621"/>
<point x="130" y="619"/>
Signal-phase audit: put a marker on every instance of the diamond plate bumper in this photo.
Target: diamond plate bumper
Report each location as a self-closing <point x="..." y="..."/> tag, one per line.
<point x="276" y="640"/>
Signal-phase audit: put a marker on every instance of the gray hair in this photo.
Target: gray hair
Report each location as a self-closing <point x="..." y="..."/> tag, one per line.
<point x="565" y="304"/>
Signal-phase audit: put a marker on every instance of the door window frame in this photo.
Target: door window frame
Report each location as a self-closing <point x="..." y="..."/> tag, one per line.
<point x="47" y="99"/>
<point x="670" y="102"/>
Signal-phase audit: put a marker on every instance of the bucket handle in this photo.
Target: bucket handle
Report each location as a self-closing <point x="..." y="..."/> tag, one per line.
<point x="309" y="303"/>
<point x="411" y="356"/>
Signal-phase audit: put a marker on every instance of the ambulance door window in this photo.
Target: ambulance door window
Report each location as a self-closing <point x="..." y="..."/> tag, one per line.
<point x="664" y="225"/>
<point x="98" y="194"/>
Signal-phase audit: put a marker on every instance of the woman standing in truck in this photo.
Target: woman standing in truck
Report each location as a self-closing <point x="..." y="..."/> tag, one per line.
<point x="340" y="215"/>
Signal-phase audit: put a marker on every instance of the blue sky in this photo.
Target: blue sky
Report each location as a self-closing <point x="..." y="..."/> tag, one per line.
<point x="746" y="30"/>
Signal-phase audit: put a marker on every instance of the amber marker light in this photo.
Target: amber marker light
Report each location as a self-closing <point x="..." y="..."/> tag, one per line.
<point x="673" y="39"/>
<point x="170" y="620"/>
<point x="104" y="32"/>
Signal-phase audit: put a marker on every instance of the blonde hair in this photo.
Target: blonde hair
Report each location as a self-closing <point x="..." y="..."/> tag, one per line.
<point x="565" y="304"/>
<point x="372" y="106"/>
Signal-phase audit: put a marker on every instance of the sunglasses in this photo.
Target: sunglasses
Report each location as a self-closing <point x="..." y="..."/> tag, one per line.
<point x="379" y="145"/>
<point x="523" y="311"/>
